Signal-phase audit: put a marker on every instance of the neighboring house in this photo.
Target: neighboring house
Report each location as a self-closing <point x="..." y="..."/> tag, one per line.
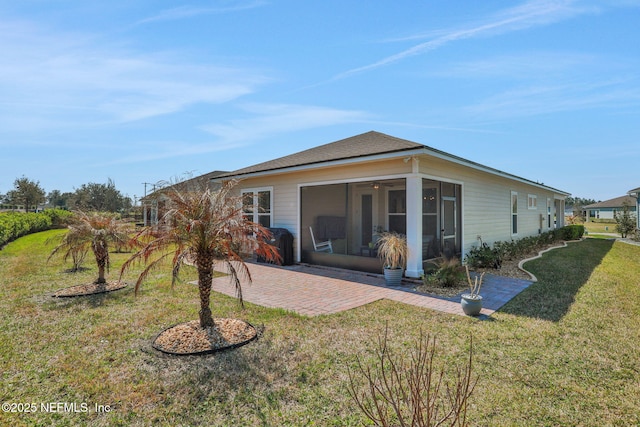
<point x="607" y="209"/>
<point x="154" y="205"/>
<point x="635" y="195"/>
<point x="346" y="191"/>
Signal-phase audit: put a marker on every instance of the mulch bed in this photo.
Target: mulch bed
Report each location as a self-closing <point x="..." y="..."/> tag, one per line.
<point x="89" y="289"/>
<point x="508" y="269"/>
<point x="191" y="339"/>
<point x="441" y="291"/>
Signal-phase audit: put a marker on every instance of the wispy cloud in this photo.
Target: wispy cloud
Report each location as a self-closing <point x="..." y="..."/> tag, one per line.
<point x="545" y="99"/>
<point x="265" y="121"/>
<point x="527" y="15"/>
<point x="432" y="127"/>
<point x="535" y="83"/>
<point x="171" y="149"/>
<point x="270" y="119"/>
<point x="184" y="12"/>
<point x="519" y="66"/>
<point x="45" y="76"/>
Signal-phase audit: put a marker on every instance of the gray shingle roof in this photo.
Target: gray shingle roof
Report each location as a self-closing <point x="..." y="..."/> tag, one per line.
<point x="613" y="203"/>
<point x="634" y="192"/>
<point x="363" y="145"/>
<point x="366" y="144"/>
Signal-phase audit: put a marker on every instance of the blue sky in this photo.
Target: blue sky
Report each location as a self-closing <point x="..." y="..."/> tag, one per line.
<point x="146" y="91"/>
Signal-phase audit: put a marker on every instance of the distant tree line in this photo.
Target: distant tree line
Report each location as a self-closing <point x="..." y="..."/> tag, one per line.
<point x="30" y="196"/>
<point x="579" y="201"/>
<point x="577" y="204"/>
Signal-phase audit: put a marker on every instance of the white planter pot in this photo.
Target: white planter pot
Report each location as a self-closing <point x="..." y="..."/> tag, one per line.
<point x="471" y="305"/>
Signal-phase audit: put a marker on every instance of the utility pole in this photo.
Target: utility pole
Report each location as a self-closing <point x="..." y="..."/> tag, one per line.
<point x="145" y="187"/>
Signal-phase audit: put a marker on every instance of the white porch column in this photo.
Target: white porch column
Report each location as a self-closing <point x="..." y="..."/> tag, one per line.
<point x="414" y="226"/>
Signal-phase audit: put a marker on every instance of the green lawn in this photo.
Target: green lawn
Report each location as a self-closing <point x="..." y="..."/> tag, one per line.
<point x="600" y="227"/>
<point x="564" y="352"/>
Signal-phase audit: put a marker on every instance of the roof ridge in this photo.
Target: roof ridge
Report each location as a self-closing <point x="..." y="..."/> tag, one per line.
<point x="364" y="144"/>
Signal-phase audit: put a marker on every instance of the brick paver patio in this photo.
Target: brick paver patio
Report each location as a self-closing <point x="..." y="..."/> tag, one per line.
<point x="311" y="291"/>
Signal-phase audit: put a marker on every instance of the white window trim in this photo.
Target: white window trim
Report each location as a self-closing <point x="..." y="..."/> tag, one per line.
<point x="254" y="191"/>
<point x="532" y="202"/>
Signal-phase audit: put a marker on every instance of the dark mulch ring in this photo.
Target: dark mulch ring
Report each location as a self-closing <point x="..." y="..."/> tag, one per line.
<point x="191" y="339"/>
<point x="89" y="289"/>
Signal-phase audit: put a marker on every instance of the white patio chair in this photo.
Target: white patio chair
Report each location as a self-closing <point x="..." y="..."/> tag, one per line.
<point x="321" y="246"/>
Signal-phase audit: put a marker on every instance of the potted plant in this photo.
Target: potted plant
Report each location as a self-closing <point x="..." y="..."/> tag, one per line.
<point x="393" y="251"/>
<point x="472" y="302"/>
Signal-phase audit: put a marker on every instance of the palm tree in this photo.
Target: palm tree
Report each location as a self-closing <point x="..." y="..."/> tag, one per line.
<point x="202" y="226"/>
<point x="93" y="231"/>
<point x="77" y="252"/>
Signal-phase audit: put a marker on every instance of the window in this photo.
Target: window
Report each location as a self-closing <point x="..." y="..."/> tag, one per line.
<point x="514" y="212"/>
<point x="257" y="205"/>
<point x="548" y="213"/>
<point x="397" y="211"/>
<point x="532" y="201"/>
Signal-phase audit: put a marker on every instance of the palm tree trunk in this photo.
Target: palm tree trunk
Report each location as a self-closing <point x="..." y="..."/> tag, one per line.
<point x="205" y="275"/>
<point x="102" y="259"/>
<point x="101" y="279"/>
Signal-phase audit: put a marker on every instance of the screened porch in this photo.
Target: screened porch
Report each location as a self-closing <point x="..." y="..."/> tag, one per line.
<point x="340" y="223"/>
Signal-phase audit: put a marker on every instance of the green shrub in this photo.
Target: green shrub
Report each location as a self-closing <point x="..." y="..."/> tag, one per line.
<point x="59" y="217"/>
<point x="448" y="273"/>
<point x="571" y="232"/>
<point x="18" y="224"/>
<point x="486" y="257"/>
